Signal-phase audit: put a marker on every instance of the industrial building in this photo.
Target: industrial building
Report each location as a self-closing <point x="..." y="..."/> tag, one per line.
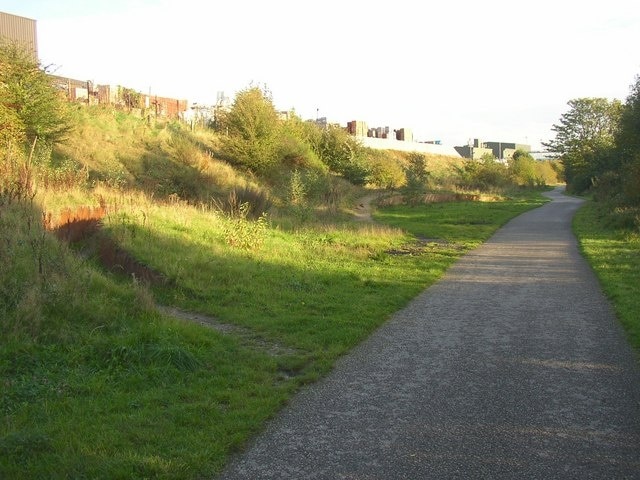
<point x="22" y="31"/>
<point x="19" y="30"/>
<point x="404" y="135"/>
<point x="357" y="128"/>
<point x="502" y="151"/>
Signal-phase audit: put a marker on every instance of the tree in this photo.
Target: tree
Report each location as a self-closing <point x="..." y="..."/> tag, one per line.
<point x="33" y="116"/>
<point x="585" y="138"/>
<point x="295" y="143"/>
<point x="523" y="168"/>
<point x="628" y="146"/>
<point x="416" y="174"/>
<point x="30" y="106"/>
<point x="252" y="130"/>
<point x="343" y="154"/>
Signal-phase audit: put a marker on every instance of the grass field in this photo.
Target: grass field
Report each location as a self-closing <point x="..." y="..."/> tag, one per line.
<point x="97" y="383"/>
<point x="614" y="254"/>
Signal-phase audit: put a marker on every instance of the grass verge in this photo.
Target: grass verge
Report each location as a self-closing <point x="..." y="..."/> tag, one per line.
<point x="614" y="254"/>
<point x="96" y="383"/>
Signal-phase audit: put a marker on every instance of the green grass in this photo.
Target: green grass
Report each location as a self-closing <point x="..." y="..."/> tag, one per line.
<point x="614" y="254"/>
<point x="161" y="158"/>
<point x="97" y="384"/>
<point x="465" y="223"/>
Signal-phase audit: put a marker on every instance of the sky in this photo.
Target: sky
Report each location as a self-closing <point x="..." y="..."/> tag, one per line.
<point x="449" y="70"/>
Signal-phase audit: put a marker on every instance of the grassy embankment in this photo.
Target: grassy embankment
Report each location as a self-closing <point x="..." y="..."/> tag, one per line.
<point x="97" y="383"/>
<point x="614" y="254"/>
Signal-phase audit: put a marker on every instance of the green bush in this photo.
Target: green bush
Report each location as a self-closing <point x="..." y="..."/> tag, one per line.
<point x="243" y="233"/>
<point x="485" y="175"/>
<point x="344" y="155"/>
<point x="252" y="130"/>
<point x="416" y="174"/>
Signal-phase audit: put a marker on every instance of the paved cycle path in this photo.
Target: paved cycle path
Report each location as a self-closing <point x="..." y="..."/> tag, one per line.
<point x="512" y="366"/>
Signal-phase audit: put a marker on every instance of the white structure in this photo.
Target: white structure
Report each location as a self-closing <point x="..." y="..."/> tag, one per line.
<point x="389" y="144"/>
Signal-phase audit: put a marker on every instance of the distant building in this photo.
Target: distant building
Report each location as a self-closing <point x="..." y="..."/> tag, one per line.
<point x="165" y="107"/>
<point x="20" y="30"/>
<point x="404" y="135"/>
<point x="322" y="123"/>
<point x="86" y="92"/>
<point x="357" y="128"/>
<point x="378" y="132"/>
<point x="500" y="150"/>
<point x="505" y="150"/>
<point x="402" y="146"/>
<point x="76" y="90"/>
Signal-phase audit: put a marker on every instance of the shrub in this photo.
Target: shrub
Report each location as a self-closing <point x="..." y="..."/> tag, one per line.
<point x="252" y="130"/>
<point x="486" y="175"/>
<point x="344" y="155"/>
<point x="243" y="233"/>
<point x="416" y="174"/>
<point x="244" y="202"/>
<point x="387" y="174"/>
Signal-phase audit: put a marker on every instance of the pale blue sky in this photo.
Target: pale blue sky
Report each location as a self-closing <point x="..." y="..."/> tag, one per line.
<point x="496" y="70"/>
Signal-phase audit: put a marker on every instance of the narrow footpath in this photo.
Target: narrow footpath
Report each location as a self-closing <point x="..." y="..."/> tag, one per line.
<point x="512" y="366"/>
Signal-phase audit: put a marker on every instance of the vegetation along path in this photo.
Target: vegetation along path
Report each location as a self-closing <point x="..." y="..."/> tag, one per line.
<point x="512" y="366"/>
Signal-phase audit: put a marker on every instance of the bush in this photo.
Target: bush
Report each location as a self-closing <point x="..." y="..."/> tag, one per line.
<point x="387" y="174"/>
<point x="244" y="202"/>
<point x="523" y="168"/>
<point x="486" y="175"/>
<point x="416" y="174"/>
<point x="241" y="232"/>
<point x="344" y="155"/>
<point x="252" y="130"/>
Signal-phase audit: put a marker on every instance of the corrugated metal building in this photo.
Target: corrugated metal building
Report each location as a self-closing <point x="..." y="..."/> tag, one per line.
<point x="166" y="107"/>
<point x="76" y="90"/>
<point x="21" y="30"/>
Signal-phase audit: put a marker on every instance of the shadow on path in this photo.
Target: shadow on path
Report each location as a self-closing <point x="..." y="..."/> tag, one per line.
<point x="512" y="366"/>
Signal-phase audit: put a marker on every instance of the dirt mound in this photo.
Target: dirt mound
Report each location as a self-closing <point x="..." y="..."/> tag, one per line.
<point x="83" y="226"/>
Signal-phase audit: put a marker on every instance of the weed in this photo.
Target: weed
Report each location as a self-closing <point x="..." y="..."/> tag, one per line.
<point x="245" y="234"/>
<point x="246" y="202"/>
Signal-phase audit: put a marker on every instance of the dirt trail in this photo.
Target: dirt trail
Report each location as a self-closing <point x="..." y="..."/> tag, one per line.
<point x="364" y="208"/>
<point x="246" y="335"/>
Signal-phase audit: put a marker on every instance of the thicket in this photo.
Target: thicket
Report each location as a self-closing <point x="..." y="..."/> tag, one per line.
<point x="304" y="160"/>
<point x="599" y="143"/>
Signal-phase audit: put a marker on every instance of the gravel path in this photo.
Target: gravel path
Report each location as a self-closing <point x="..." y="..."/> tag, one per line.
<point x="512" y="366"/>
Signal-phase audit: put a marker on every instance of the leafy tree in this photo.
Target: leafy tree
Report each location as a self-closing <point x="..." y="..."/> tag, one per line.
<point x="416" y="173"/>
<point x="130" y="97"/>
<point x="343" y="154"/>
<point x="30" y="106"/>
<point x="523" y="168"/>
<point x="485" y="175"/>
<point x="252" y="128"/>
<point x="387" y="174"/>
<point x="585" y="139"/>
<point x="33" y="115"/>
<point x="628" y="146"/>
<point x="295" y="144"/>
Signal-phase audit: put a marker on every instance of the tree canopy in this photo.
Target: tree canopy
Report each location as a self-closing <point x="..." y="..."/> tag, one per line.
<point x="628" y="143"/>
<point x="30" y="106"/>
<point x="585" y="137"/>
<point x="252" y="129"/>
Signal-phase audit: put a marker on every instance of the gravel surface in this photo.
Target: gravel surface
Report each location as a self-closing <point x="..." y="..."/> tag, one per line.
<point x="512" y="366"/>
